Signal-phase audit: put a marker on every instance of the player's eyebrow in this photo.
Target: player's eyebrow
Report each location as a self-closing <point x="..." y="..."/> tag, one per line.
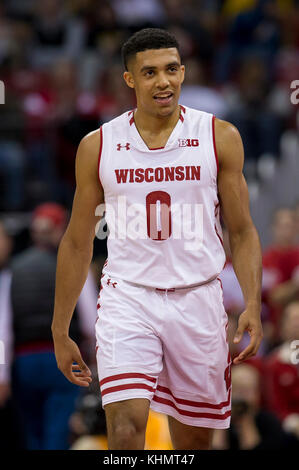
<point x="152" y="67"/>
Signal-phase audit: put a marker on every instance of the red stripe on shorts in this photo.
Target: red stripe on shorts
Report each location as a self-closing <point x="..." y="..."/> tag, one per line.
<point x="127" y="376"/>
<point x="126" y="387"/>
<point x="199" y="404"/>
<point x="192" y="414"/>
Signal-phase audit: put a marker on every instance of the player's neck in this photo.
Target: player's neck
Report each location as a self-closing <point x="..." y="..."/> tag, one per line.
<point x="151" y="124"/>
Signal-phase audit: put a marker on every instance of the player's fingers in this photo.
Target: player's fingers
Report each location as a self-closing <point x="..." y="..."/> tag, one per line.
<point x="250" y="350"/>
<point x="82" y="374"/>
<point x="82" y="382"/>
<point x="79" y="379"/>
<point x="77" y="368"/>
<point x="83" y="367"/>
<point x="257" y="345"/>
<point x="239" y="332"/>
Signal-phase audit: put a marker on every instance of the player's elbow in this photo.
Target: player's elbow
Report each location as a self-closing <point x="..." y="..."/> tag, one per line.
<point x="76" y="243"/>
<point x="243" y="233"/>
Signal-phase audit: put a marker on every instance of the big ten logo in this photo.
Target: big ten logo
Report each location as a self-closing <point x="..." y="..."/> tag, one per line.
<point x="295" y="352"/>
<point x="295" y="94"/>
<point x="2" y="353"/>
<point x="2" y="92"/>
<point x="188" y="142"/>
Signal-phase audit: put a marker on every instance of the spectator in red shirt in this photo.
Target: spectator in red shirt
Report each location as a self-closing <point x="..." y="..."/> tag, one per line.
<point x="281" y="260"/>
<point x="282" y="372"/>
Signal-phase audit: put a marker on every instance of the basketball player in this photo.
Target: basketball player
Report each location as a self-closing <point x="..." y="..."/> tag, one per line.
<point x="161" y="329"/>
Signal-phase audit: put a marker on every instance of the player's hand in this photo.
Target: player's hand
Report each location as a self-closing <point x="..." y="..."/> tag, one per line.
<point x="67" y="353"/>
<point x="249" y="321"/>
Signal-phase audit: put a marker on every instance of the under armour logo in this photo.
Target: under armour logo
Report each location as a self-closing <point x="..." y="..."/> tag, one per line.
<point x="112" y="283"/>
<point x="127" y="146"/>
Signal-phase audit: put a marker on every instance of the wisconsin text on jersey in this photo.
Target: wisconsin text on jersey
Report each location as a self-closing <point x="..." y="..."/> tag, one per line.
<point x="173" y="173"/>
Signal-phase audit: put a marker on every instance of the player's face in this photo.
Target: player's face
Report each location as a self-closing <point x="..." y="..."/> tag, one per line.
<point x="156" y="76"/>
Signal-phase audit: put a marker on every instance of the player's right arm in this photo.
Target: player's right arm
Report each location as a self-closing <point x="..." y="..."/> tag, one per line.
<point x="74" y="258"/>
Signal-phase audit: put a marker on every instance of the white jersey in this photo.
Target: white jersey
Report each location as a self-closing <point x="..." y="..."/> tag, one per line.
<point x="161" y="205"/>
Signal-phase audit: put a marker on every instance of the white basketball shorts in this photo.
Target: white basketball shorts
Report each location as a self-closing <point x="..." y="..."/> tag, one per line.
<point x="168" y="346"/>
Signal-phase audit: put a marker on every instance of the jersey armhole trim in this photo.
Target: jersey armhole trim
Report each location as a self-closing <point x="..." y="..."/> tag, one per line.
<point x="100" y="153"/>
<point x="214" y="143"/>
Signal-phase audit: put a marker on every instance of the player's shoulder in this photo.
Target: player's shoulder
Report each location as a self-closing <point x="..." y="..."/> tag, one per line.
<point x="87" y="155"/>
<point x="91" y="139"/>
<point x="229" y="145"/>
<point x="90" y="145"/>
<point x="225" y="130"/>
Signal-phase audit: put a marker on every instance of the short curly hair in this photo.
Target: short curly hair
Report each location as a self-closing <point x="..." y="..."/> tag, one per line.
<point x="148" y="38"/>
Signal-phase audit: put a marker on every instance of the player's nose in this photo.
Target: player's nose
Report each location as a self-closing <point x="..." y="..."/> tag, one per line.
<point x="162" y="81"/>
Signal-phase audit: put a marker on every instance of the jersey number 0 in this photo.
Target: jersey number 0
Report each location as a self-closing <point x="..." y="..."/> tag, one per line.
<point x="158" y="213"/>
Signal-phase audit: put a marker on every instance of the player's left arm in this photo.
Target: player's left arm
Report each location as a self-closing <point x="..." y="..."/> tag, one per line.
<point x="243" y="237"/>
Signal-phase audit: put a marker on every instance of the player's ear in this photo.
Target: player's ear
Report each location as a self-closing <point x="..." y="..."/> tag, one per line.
<point x="128" y="77"/>
<point x="182" y="73"/>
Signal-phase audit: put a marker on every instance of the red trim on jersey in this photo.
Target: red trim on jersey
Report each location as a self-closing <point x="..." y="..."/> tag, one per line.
<point x="217" y="233"/>
<point x="127" y="376"/>
<point x="118" y="388"/>
<point x="214" y="143"/>
<point x="220" y="282"/>
<point x="192" y="414"/>
<point x="199" y="404"/>
<point x="157" y="148"/>
<point x="183" y="108"/>
<point x="132" y="118"/>
<point x="100" y="154"/>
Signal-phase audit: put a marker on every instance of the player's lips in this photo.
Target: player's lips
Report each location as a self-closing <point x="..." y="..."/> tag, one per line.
<point x="163" y="98"/>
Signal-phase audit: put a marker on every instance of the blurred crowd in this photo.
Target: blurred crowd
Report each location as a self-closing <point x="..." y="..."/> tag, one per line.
<point x="60" y="64"/>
